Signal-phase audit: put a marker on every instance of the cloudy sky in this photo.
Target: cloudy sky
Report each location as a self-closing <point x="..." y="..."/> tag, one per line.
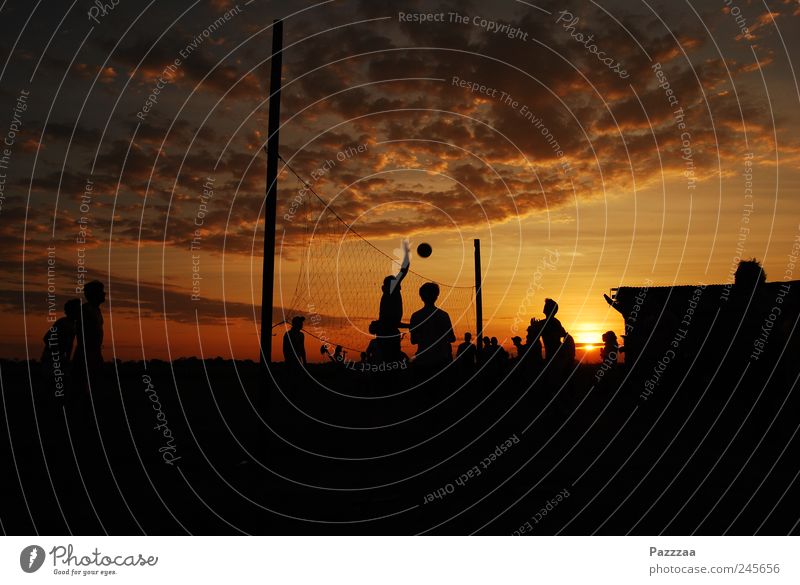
<point x="588" y="145"/>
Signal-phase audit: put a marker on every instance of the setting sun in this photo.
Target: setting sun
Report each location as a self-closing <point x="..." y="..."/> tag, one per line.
<point x="588" y="337"/>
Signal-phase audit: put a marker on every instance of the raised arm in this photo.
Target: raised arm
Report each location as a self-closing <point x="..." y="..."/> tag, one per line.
<point x="406" y="262"/>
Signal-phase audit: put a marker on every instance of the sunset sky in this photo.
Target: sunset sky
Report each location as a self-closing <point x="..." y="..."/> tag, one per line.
<point x="576" y="177"/>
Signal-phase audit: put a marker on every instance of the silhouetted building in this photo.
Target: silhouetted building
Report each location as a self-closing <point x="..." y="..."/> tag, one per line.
<point x="749" y="321"/>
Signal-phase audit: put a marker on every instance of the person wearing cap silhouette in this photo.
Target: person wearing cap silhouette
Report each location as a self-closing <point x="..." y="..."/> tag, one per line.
<point x="294" y="349"/>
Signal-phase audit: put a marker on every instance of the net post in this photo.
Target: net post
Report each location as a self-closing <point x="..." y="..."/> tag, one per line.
<point x="271" y="195"/>
<point x="478" y="294"/>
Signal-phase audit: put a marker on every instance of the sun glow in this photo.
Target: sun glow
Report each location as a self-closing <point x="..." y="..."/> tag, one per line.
<point x="588" y="337"/>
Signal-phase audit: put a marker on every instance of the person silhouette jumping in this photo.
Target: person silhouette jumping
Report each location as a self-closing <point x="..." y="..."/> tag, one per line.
<point x="390" y="313"/>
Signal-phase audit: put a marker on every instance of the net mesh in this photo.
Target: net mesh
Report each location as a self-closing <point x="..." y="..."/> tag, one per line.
<point x="338" y="289"/>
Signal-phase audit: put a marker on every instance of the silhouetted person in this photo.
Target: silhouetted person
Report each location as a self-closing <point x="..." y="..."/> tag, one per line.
<point x="486" y="350"/>
<point x="552" y="332"/>
<point x="568" y="350"/>
<point x="431" y="329"/>
<point x="338" y="356"/>
<point x="609" y="353"/>
<point x="390" y="313"/>
<point x="533" y="342"/>
<point x="88" y="361"/>
<point x="294" y="349"/>
<point x="498" y="351"/>
<point x="466" y="352"/>
<point x="58" y="344"/>
<point x="517" y="342"/>
<point x="373" y="351"/>
<point x="496" y="357"/>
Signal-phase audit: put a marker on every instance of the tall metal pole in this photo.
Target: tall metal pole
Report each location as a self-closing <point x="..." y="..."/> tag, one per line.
<point x="271" y="205"/>
<point x="478" y="294"/>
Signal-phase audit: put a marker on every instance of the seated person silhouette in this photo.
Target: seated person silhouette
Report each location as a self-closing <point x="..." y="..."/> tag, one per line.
<point x="87" y="364"/>
<point x="58" y="344"/>
<point x="390" y="313"/>
<point x="552" y="330"/>
<point x="431" y="330"/>
<point x="294" y="349"/>
<point x="466" y="352"/>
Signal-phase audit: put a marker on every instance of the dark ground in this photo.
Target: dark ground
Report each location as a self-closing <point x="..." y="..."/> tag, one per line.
<point x="362" y="455"/>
